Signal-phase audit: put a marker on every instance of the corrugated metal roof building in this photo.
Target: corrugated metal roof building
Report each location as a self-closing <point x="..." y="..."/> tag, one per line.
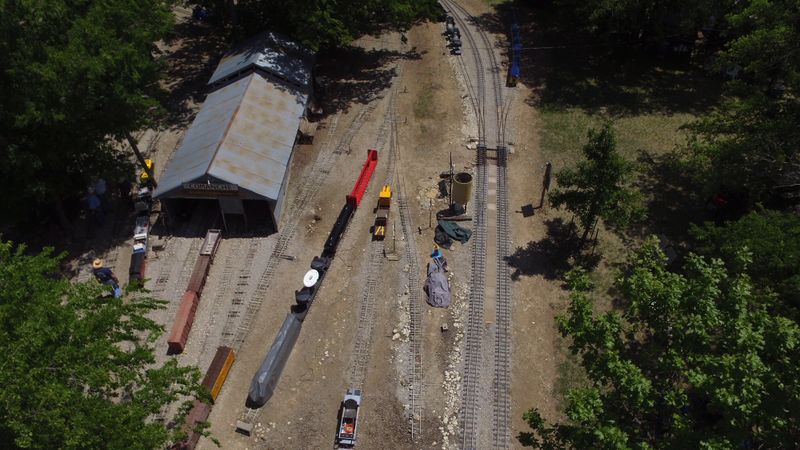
<point x="239" y="148"/>
<point x="272" y="55"/>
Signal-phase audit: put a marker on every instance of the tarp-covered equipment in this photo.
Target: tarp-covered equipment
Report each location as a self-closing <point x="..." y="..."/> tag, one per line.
<point x="266" y="378"/>
<point x="436" y="286"/>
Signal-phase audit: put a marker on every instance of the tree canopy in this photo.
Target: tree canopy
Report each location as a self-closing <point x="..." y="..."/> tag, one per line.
<point x="598" y="187"/>
<point x="640" y="20"/>
<point x="751" y="142"/>
<point x="773" y="240"/>
<point x="319" y="24"/>
<point x="75" y="77"/>
<point x="694" y="359"/>
<point x="79" y="370"/>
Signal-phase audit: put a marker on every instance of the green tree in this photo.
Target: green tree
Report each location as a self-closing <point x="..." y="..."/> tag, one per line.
<point x="321" y="24"/>
<point x="751" y="142"/>
<point x="773" y="239"/>
<point x="639" y="20"/>
<point x="598" y="187"/>
<point x="76" y="78"/>
<point x="692" y="360"/>
<point x="78" y="371"/>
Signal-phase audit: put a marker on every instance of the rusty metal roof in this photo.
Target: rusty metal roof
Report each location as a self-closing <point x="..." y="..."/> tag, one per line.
<point x="272" y="53"/>
<point x="244" y="134"/>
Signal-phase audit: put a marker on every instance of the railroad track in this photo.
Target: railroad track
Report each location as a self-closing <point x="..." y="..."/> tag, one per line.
<point x="221" y="292"/>
<point x="311" y="184"/>
<point x="385" y="143"/>
<point x="473" y="333"/>
<point x="416" y="386"/>
<point x="492" y="113"/>
<point x="473" y="357"/>
<point x="501" y="438"/>
<point x="366" y="317"/>
<point x="167" y="272"/>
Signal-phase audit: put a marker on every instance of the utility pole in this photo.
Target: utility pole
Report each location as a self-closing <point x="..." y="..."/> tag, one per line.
<point x="450" y="191"/>
<point x="430" y="213"/>
<point x="548" y="170"/>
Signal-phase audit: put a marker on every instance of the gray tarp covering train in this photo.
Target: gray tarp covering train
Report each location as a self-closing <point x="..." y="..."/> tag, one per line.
<point x="267" y="376"/>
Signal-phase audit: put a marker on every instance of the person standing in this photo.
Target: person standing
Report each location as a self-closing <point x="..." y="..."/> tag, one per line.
<point x="96" y="214"/>
<point x="105" y="276"/>
<point x="101" y="190"/>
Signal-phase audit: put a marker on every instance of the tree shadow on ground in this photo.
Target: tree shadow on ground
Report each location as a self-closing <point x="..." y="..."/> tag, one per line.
<point x="566" y="68"/>
<point x="552" y="256"/>
<point x="673" y="198"/>
<point x="188" y="69"/>
<point x="354" y="75"/>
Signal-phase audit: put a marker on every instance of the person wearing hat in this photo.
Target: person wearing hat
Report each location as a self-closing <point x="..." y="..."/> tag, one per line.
<point x="437" y="256"/>
<point x="104" y="275"/>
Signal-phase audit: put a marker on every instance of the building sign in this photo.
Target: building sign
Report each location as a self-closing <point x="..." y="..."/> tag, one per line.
<point x="211" y="188"/>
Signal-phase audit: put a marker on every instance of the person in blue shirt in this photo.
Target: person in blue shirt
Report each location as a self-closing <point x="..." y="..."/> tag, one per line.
<point x="105" y="276"/>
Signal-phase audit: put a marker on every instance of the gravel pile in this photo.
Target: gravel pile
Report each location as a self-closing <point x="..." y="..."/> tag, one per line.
<point x="452" y="375"/>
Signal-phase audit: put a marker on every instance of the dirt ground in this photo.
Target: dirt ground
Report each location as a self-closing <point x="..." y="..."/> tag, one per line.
<point x="431" y="123"/>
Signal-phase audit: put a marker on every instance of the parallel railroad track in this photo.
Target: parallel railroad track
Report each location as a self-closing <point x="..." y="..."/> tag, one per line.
<point x="311" y="185"/>
<point x="501" y="437"/>
<point x="362" y="346"/>
<point x="492" y="114"/>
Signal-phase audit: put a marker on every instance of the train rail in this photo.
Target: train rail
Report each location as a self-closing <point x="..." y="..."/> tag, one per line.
<point x="501" y="437"/>
<point x="415" y="338"/>
<point x="312" y="182"/>
<point x="385" y="143"/>
<point x="492" y="113"/>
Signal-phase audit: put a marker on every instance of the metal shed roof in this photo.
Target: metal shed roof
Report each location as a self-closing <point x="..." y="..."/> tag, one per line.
<point x="243" y="134"/>
<point x="272" y="53"/>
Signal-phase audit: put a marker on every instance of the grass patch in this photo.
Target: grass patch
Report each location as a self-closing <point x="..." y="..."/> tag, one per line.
<point x="424" y="106"/>
<point x="563" y="133"/>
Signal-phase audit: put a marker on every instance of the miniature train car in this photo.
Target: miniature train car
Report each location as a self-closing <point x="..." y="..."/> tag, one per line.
<point x="382" y="214"/>
<point x="348" y="422"/>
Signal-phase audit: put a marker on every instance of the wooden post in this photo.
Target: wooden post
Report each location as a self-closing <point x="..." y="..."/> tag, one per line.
<point x="450" y="190"/>
<point x="548" y="169"/>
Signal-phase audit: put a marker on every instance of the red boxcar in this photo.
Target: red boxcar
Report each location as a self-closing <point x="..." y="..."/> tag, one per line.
<point x="198" y="278"/>
<point x="183" y="322"/>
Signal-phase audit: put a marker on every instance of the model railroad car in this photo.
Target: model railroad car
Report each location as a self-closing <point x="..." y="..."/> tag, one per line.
<point x="350" y="205"/>
<point x="198" y="279"/>
<point x="382" y="214"/>
<point x="218" y="370"/>
<point x="183" y="323"/>
<point x="311" y="283"/>
<point x="348" y="421"/>
<point x="332" y="243"/>
<point x="363" y="178"/>
<point x="188" y="307"/>
<point x="215" y="377"/>
<point x="197" y="415"/>
<point x="267" y="376"/>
